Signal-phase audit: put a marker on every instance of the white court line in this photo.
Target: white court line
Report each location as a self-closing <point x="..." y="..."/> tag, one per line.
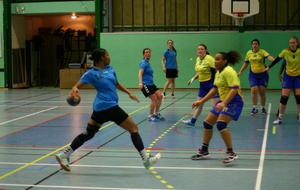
<point x="263" y="152"/>
<point x="133" y="167"/>
<point x="27" y="115"/>
<point x="68" y="187"/>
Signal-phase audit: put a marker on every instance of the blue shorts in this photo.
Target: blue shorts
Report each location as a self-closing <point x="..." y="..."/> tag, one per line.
<point x="260" y="79"/>
<point x="232" y="109"/>
<point x="205" y="87"/>
<point x="290" y="82"/>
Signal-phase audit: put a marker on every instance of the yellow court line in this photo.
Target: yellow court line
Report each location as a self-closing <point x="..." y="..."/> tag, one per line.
<point x="274" y="130"/>
<point x="153" y="143"/>
<point x="49" y="154"/>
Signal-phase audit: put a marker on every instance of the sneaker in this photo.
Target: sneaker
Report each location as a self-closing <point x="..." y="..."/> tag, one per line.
<point x="160" y="117"/>
<point x="163" y="95"/>
<point x="173" y="97"/>
<point x="230" y="156"/>
<point x="201" y="154"/>
<point x="254" y="111"/>
<point x="63" y="161"/>
<point x="263" y="111"/>
<point x="152" y="160"/>
<point x="188" y="122"/>
<point x="153" y="118"/>
<point x="278" y="120"/>
<point x="298" y="121"/>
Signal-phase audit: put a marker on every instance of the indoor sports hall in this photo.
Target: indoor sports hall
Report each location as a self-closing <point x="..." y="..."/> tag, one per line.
<point x="45" y="46"/>
<point x="38" y="123"/>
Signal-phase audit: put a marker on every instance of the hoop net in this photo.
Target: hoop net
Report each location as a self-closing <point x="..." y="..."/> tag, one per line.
<point x="239" y="18"/>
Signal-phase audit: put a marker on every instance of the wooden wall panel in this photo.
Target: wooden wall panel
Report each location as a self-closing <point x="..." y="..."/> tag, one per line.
<point x="181" y="12"/>
<point x="215" y="12"/>
<point x="127" y="13"/>
<point x="203" y="10"/>
<point x="159" y="13"/>
<point x="281" y="11"/>
<point x="170" y="12"/>
<point x="260" y="17"/>
<point x="270" y="12"/>
<point x="148" y="13"/>
<point x="138" y="15"/>
<point x="200" y="13"/>
<point x="293" y="6"/>
<point x="192" y="12"/>
<point x="117" y="12"/>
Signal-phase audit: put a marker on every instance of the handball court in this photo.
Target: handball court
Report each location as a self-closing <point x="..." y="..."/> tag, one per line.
<point x="36" y="124"/>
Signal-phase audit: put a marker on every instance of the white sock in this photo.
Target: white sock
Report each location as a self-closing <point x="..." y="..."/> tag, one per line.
<point x="68" y="151"/>
<point x="280" y="115"/>
<point x="255" y="106"/>
<point x="144" y="155"/>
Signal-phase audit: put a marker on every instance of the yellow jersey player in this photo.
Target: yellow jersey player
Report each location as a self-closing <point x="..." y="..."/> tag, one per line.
<point x="258" y="78"/>
<point x="291" y="78"/>
<point x="229" y="107"/>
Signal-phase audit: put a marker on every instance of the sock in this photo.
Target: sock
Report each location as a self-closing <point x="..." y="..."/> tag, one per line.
<point x="280" y="115"/>
<point x="164" y="93"/>
<point x="229" y="150"/>
<point x="204" y="147"/>
<point x="298" y="116"/>
<point x="138" y="144"/>
<point x="68" y="151"/>
<point x="172" y="94"/>
<point x="254" y="106"/>
<point x="144" y="155"/>
<point x="193" y="120"/>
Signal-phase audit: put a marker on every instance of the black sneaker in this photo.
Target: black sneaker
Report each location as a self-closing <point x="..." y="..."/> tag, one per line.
<point x="230" y="156"/>
<point x="201" y="154"/>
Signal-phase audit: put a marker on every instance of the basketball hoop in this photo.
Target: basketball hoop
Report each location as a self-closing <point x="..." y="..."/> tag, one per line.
<point x="239" y="18"/>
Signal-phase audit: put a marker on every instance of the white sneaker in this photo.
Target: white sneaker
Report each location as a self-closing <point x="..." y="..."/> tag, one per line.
<point x="278" y="121"/>
<point x="152" y="160"/>
<point x="63" y="161"/>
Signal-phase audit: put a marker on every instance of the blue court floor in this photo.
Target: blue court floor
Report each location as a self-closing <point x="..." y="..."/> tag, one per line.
<point x="36" y="124"/>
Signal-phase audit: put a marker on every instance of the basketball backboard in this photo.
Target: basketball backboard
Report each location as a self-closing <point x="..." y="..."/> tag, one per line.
<point x="240" y="9"/>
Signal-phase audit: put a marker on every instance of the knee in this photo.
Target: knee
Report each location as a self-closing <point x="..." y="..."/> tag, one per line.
<point x="207" y="126"/>
<point x="284" y="100"/>
<point x="221" y="125"/>
<point x="297" y="99"/>
<point x="89" y="132"/>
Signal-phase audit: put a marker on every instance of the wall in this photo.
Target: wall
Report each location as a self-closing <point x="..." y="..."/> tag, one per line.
<point x="126" y="49"/>
<point x="2" y="77"/>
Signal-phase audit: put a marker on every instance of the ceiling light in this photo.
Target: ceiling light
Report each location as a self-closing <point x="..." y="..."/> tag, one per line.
<point x="73" y="16"/>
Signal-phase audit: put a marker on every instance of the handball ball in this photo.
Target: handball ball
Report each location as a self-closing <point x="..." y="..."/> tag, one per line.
<point x="73" y="99"/>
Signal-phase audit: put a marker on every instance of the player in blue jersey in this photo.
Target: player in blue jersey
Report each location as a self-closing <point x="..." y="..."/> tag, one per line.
<point x="170" y="67"/>
<point x="258" y="78"/>
<point x="291" y="79"/>
<point x="205" y="68"/>
<point x="229" y="107"/>
<point x="148" y="88"/>
<point x="105" y="108"/>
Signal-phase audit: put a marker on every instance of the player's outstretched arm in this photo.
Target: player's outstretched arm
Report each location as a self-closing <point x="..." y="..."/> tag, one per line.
<point x="123" y="89"/>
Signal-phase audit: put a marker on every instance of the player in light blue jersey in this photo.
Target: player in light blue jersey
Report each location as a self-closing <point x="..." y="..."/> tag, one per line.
<point x="105" y="108"/>
<point x="170" y="67"/>
<point x="148" y="88"/>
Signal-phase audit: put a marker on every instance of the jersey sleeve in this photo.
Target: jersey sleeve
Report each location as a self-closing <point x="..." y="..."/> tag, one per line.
<point x="232" y="79"/>
<point x="281" y="55"/>
<point x="86" y="78"/>
<point x="247" y="57"/>
<point x="265" y="53"/>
